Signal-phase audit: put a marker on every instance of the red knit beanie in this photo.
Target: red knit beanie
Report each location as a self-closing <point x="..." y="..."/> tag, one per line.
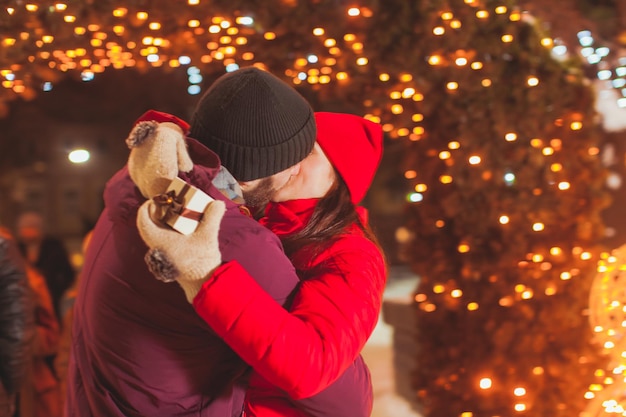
<point x="354" y="146"/>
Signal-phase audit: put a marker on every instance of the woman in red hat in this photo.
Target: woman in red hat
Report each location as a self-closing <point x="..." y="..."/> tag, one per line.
<point x="298" y="353"/>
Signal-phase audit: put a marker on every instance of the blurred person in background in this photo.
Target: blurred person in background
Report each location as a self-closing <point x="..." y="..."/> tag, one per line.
<point x="39" y="395"/>
<point x="46" y="253"/>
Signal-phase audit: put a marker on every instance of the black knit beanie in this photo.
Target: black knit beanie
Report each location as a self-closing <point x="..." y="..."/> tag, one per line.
<point x="257" y="124"/>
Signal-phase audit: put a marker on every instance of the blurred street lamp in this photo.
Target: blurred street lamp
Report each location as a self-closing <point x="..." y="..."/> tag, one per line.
<point x="79" y="156"/>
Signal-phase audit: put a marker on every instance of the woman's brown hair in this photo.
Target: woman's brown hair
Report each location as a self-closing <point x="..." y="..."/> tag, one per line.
<point x="333" y="215"/>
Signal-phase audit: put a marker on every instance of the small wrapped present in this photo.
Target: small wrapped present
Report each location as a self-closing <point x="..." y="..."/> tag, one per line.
<point x="182" y="206"/>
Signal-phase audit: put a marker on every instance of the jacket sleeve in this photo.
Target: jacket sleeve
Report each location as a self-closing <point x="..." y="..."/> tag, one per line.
<point x="304" y="350"/>
<point x="16" y="317"/>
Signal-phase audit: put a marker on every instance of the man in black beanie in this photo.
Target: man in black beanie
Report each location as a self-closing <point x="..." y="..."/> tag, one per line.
<point x="139" y="349"/>
<point x="257" y="126"/>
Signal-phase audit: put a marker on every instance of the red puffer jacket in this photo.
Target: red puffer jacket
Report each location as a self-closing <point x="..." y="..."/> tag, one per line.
<point x="334" y="312"/>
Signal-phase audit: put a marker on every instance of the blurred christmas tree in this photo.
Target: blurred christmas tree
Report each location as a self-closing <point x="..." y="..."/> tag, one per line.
<point x="506" y="216"/>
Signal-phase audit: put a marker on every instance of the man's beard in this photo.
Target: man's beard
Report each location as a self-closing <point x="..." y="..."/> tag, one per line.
<point x="260" y="195"/>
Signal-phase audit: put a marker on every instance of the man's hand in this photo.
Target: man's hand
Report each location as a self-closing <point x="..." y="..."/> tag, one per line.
<point x="187" y="259"/>
<point x="158" y="152"/>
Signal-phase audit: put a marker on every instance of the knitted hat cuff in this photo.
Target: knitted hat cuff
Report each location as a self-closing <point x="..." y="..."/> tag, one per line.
<point x="247" y="163"/>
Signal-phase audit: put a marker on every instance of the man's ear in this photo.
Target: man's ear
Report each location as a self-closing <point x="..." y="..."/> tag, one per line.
<point x="295" y="170"/>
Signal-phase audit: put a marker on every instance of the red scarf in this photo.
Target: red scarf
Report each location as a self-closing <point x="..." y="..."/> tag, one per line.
<point x="288" y="217"/>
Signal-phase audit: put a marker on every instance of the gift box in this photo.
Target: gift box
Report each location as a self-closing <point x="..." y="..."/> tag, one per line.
<point x="182" y="206"/>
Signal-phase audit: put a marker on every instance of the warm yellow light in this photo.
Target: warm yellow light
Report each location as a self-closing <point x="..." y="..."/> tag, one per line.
<point x="32" y="7"/>
<point x="555" y="251"/>
<point x="564" y="185"/>
<point x="417" y="117"/>
<point x="444" y="155"/>
<point x="550" y="290"/>
<point x="556" y="167"/>
<point x="420" y="188"/>
<point x="585" y="256"/>
<point x="576" y="125"/>
<point x="362" y="61"/>
<point x="547" y="151"/>
<point x="565" y="276"/>
<point x="485" y="383"/>
<point x="504" y="219"/>
<point x="403" y="131"/>
<point x="438" y="288"/>
<point x="537" y="227"/>
<point x="384" y="77"/>
<point x="318" y="31"/>
<point x="430" y="307"/>
<point x="434" y="60"/>
<point x="455" y="24"/>
<point x="418" y="130"/>
<point x="120" y="12"/>
<point x="463" y="248"/>
<point x="507" y="38"/>
<point x="454" y="145"/>
<point x="445" y="179"/>
<point x="439" y="30"/>
<point x="142" y="15"/>
<point x="397" y="109"/>
<point x="476" y="65"/>
<point x="154" y="26"/>
<point x="482" y="14"/>
<point x="69" y="18"/>
<point x="547" y="42"/>
<point x="532" y="81"/>
<point x="456" y="293"/>
<point x="486" y="82"/>
<point x="410" y="174"/>
<point x="452" y="85"/>
<point x="510" y="137"/>
<point x="501" y="9"/>
<point x="473" y="306"/>
<point x="420" y="298"/>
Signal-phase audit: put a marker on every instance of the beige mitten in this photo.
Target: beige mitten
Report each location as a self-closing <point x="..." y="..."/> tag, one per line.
<point x="187" y="259"/>
<point x="158" y="152"/>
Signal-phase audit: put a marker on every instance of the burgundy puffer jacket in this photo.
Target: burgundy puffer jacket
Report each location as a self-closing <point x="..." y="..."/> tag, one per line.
<point x="139" y="349"/>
